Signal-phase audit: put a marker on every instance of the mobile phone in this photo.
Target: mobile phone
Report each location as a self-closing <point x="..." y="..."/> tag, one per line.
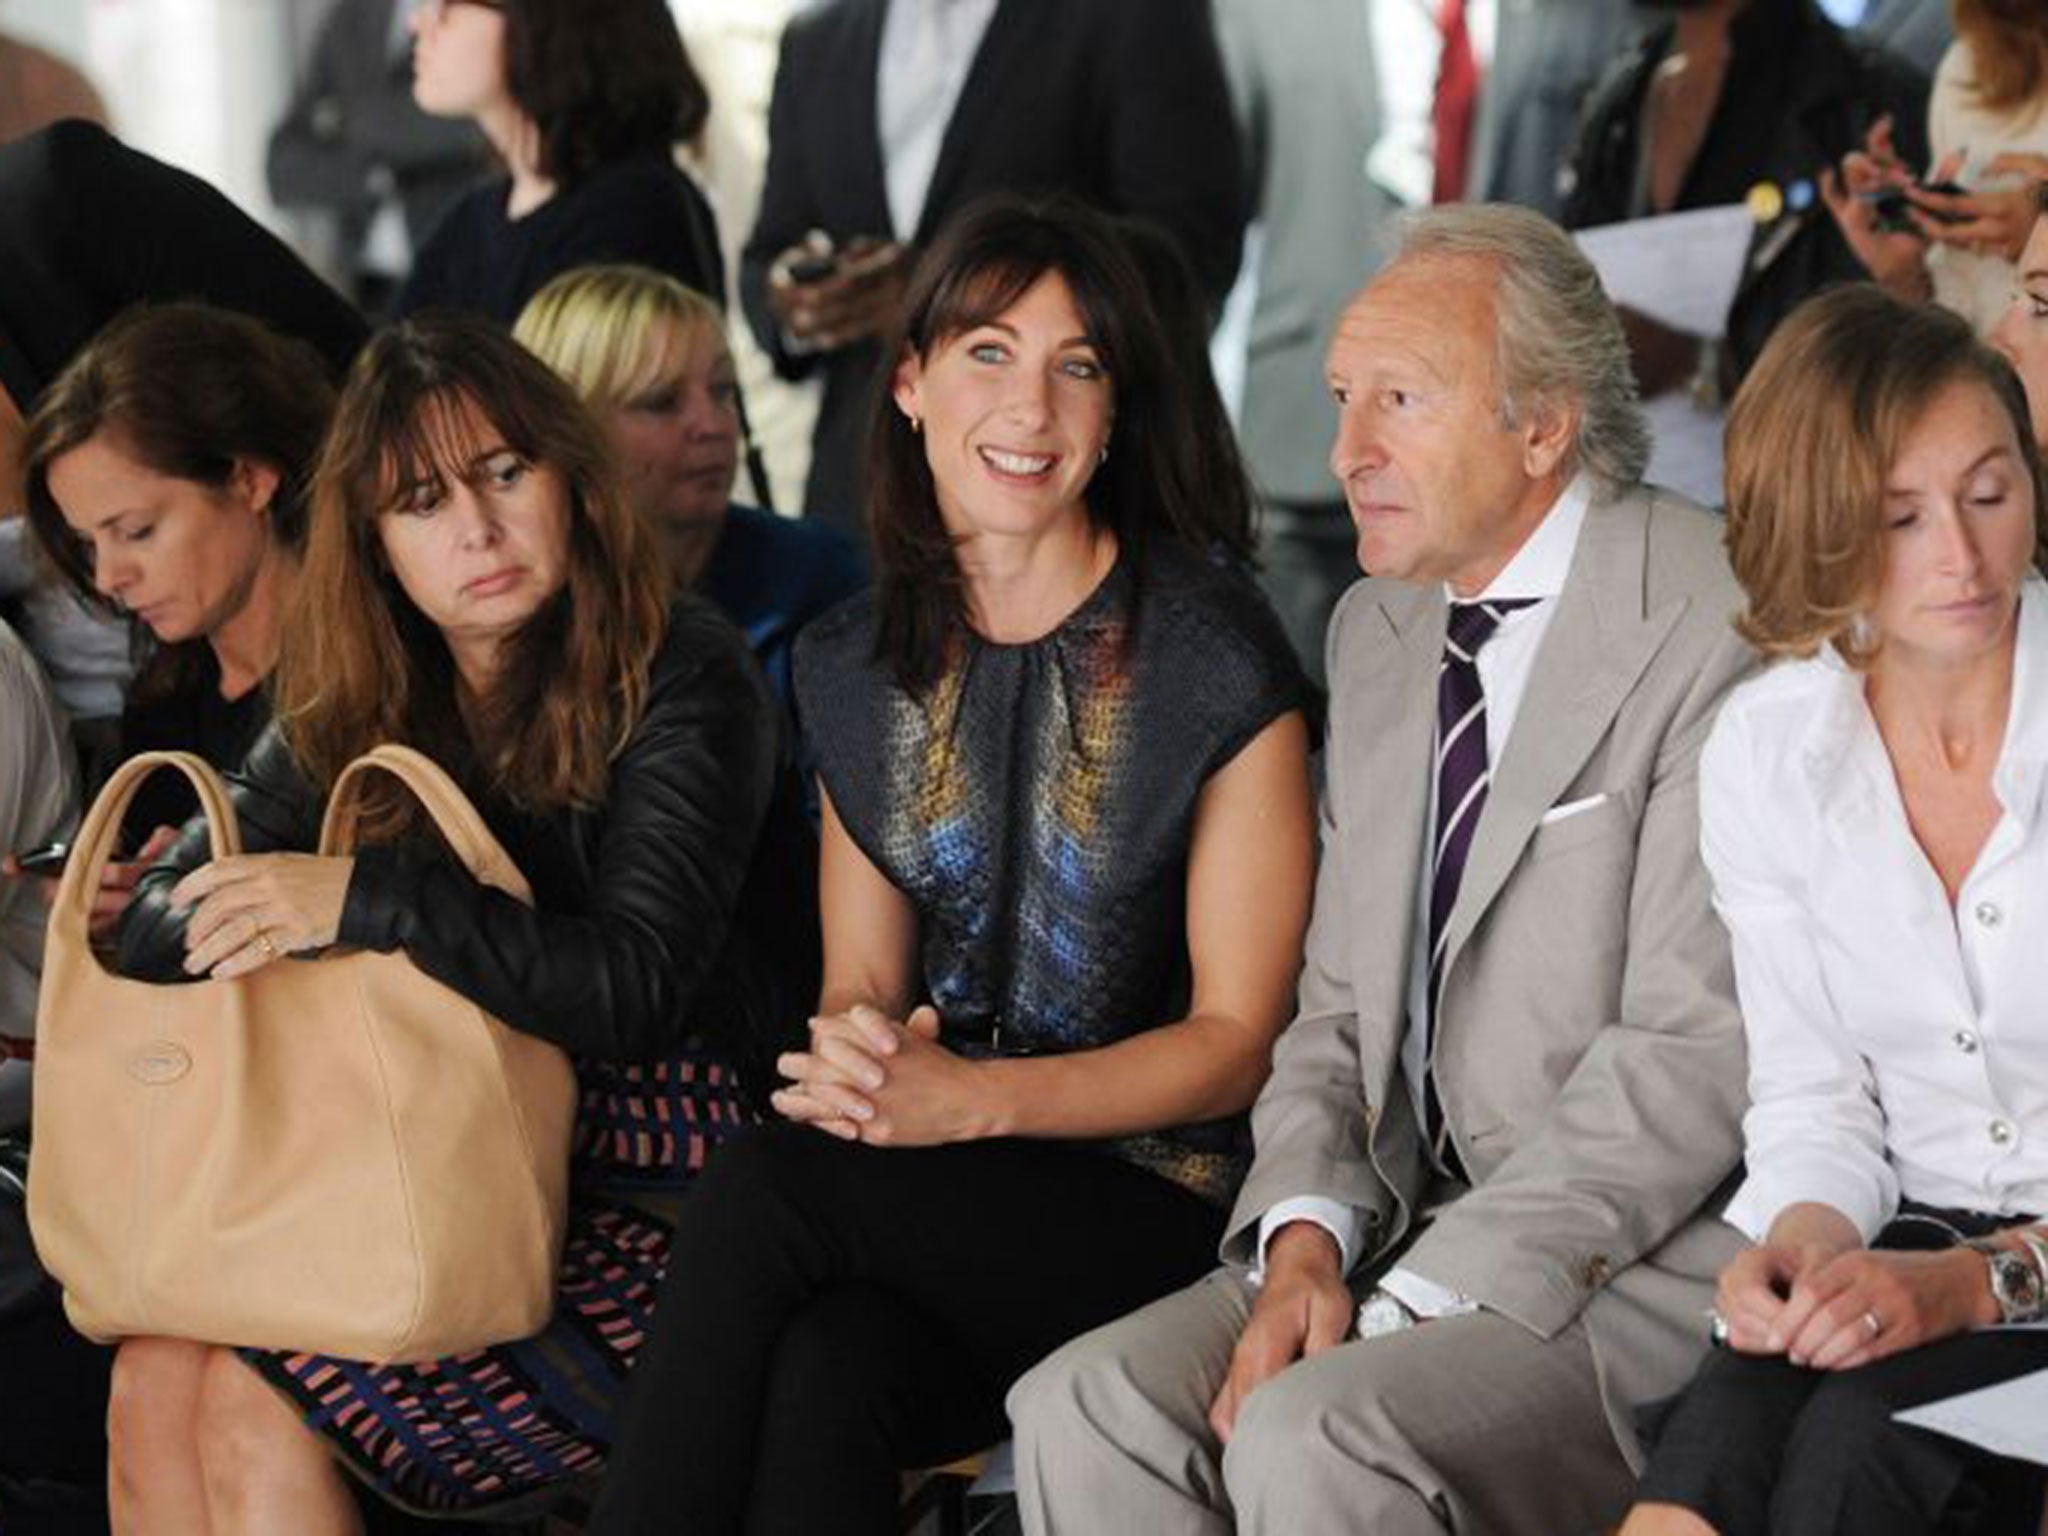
<point x="46" y="860"/>
<point x="814" y="268"/>
<point x="1894" y="212"/>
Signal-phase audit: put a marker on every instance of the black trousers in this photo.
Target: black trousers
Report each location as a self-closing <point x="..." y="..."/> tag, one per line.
<point x="1757" y="1446"/>
<point x="834" y="1314"/>
<point x="53" y="1437"/>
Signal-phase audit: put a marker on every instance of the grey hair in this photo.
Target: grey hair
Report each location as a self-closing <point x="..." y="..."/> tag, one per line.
<point x="1558" y="337"/>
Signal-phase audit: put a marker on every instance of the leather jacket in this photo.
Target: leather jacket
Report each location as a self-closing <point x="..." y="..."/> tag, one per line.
<point x="685" y="905"/>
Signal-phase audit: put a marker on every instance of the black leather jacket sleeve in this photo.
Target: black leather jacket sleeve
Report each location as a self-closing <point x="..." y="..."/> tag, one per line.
<point x="666" y="857"/>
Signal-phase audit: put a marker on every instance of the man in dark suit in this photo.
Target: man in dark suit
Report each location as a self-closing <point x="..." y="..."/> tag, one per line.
<point x="888" y="115"/>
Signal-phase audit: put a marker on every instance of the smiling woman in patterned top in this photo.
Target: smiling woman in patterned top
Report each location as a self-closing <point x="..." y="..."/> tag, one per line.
<point x="1066" y="874"/>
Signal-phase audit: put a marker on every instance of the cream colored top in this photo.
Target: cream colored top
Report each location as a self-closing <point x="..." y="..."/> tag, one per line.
<point x="1976" y="287"/>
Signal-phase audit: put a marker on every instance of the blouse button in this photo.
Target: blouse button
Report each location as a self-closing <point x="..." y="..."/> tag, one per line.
<point x="1965" y="1040"/>
<point x="1987" y="914"/>
<point x="2001" y="1132"/>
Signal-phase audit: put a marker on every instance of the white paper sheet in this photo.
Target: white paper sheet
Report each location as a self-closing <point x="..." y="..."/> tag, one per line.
<point x="1680" y="269"/>
<point x="2010" y="1419"/>
<point x="1685" y="447"/>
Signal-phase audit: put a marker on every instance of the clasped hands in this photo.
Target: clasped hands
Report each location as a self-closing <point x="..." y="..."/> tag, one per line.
<point x="255" y="908"/>
<point x="869" y="1078"/>
<point x="1833" y="1309"/>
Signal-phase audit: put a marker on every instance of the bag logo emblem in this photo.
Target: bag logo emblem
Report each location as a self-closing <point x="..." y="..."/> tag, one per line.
<point x="160" y="1062"/>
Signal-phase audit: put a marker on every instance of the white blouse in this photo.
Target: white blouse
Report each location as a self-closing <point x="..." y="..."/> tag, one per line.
<point x="1897" y="1047"/>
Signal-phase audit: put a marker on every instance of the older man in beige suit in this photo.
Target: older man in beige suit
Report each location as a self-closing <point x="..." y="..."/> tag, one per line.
<point x="1514" y="1084"/>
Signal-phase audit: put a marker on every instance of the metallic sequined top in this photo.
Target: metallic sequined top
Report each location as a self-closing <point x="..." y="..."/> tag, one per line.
<point x="1036" y="804"/>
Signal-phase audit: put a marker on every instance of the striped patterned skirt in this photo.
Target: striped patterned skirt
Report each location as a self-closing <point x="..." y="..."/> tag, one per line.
<point x="496" y="1430"/>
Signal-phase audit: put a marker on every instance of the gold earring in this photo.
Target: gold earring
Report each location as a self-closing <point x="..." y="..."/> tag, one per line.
<point x="916" y="423"/>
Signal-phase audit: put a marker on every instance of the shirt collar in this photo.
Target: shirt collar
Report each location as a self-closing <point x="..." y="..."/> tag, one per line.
<point x="1539" y="568"/>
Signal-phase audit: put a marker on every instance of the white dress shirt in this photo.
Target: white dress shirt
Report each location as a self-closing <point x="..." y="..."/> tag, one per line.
<point x="1897" y="1046"/>
<point x="1537" y="571"/>
<point x="927" y="48"/>
<point x="1407" y="53"/>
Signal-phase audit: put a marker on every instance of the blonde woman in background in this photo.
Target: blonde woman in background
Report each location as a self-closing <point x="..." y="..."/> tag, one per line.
<point x="649" y="357"/>
<point x="1987" y="128"/>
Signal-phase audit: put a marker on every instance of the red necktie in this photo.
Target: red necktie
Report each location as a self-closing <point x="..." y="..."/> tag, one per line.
<point x="1457" y="95"/>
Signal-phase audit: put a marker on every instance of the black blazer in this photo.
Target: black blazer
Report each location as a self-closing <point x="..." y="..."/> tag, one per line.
<point x="89" y="226"/>
<point x="1121" y="102"/>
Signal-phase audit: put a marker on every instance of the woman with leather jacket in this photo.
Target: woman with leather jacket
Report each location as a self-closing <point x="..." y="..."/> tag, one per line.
<point x="475" y="586"/>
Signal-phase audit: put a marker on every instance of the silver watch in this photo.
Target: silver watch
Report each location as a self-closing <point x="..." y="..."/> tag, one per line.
<point x="2016" y="1284"/>
<point x="1382" y="1313"/>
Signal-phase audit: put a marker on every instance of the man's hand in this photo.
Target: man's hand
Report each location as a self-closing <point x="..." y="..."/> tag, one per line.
<point x="1304" y="1308"/>
<point x="857" y="300"/>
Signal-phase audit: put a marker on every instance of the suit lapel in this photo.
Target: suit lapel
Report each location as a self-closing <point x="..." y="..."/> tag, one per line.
<point x="862" y="50"/>
<point x="1391" y="742"/>
<point x="1598" y="644"/>
<point x="1002" y="47"/>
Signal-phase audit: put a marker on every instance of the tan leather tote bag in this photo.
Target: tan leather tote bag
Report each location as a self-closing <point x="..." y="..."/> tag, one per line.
<point x="333" y="1154"/>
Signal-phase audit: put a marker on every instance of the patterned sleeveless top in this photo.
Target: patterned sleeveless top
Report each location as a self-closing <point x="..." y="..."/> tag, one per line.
<point x="1036" y="805"/>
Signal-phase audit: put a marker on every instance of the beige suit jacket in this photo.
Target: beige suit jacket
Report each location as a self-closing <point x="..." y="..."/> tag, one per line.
<point x="1589" y="1055"/>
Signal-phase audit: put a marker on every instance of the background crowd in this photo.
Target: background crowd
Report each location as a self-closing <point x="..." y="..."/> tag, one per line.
<point x="890" y="804"/>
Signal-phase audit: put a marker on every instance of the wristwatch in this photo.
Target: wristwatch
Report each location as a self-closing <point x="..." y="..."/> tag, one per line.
<point x="1383" y="1313"/>
<point x="2016" y="1284"/>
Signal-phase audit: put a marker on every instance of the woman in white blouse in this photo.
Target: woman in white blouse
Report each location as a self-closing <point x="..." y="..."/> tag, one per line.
<point x="1874" y="813"/>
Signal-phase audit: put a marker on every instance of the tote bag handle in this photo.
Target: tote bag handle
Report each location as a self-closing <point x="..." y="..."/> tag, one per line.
<point x="479" y="851"/>
<point x="72" y="912"/>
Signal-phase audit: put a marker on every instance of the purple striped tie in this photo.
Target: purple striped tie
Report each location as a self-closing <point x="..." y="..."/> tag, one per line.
<point x="1462" y="775"/>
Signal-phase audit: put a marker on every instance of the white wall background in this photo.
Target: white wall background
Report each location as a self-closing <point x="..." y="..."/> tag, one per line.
<point x="195" y="82"/>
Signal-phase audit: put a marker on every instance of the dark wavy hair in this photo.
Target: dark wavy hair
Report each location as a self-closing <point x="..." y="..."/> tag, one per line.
<point x="1165" y="476"/>
<point x="361" y="664"/>
<point x="602" y="80"/>
<point x="186" y="390"/>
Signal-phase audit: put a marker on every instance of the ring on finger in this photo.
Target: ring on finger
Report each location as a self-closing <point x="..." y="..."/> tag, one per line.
<point x="266" y="944"/>
<point x="1717" y="1330"/>
<point x="1874" y="1323"/>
